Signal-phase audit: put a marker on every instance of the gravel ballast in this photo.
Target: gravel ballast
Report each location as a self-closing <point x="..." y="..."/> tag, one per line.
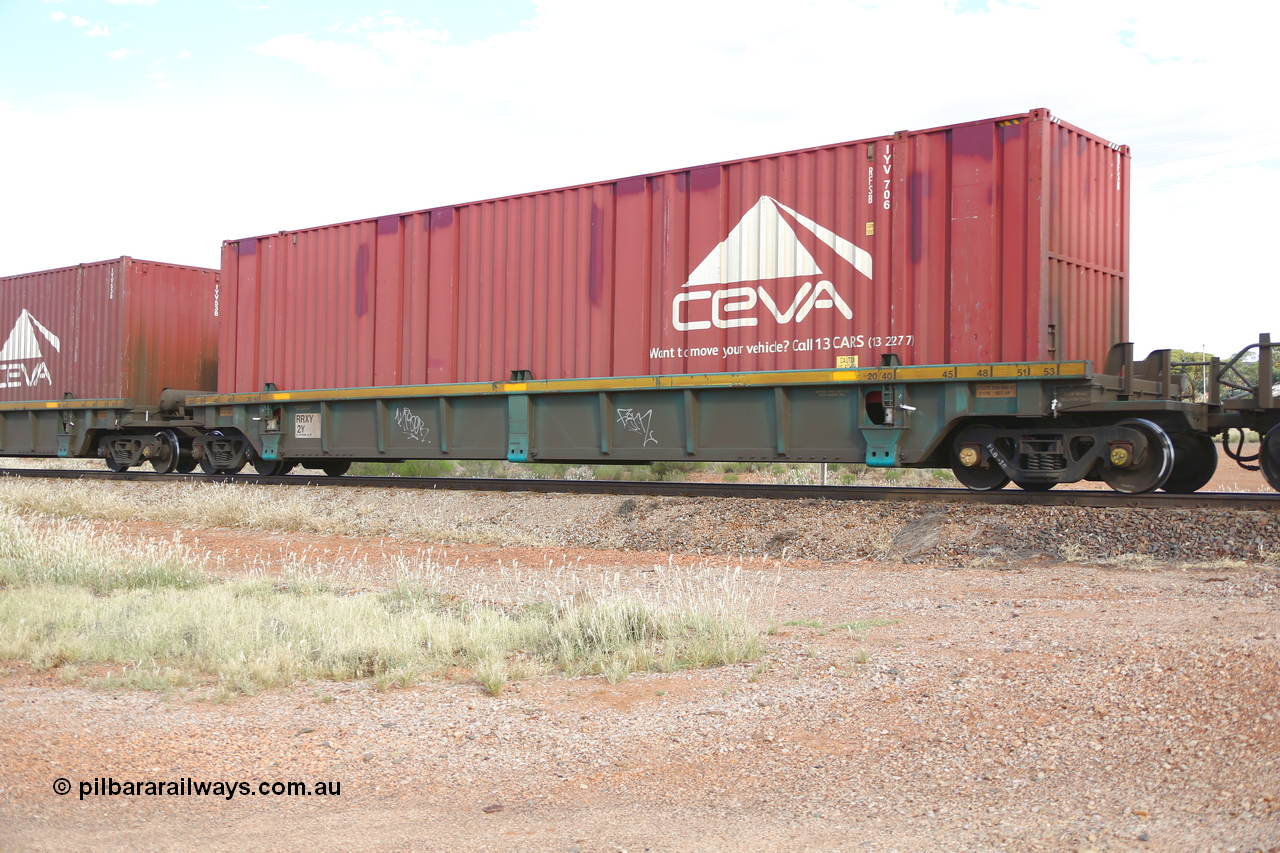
<point x="1022" y="679"/>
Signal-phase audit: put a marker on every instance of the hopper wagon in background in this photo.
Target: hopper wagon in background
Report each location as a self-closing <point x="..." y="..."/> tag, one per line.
<point x="952" y="297"/>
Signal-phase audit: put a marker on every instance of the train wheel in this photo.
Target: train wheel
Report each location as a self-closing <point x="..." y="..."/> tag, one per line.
<point x="1148" y="473"/>
<point x="113" y="465"/>
<point x="266" y="467"/>
<point x="336" y="468"/>
<point x="186" y="462"/>
<point x="975" y="476"/>
<point x="168" y="458"/>
<point x="1195" y="458"/>
<point x="1269" y="457"/>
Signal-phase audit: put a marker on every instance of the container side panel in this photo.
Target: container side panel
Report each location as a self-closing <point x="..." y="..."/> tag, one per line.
<point x="471" y="350"/>
<point x="492" y="321"/>
<point x="600" y="282"/>
<point x="996" y="240"/>
<point x="389" y="301"/>
<point x="1087" y="243"/>
<point x="413" y="322"/>
<point x="1038" y="310"/>
<point x="94" y="330"/>
<point x="975" y="296"/>
<point x="443" y="303"/>
<point x="1014" y="338"/>
<point x="306" y="324"/>
<point x="247" y="316"/>
<point x="526" y="343"/>
<point x="918" y="175"/>
<point x="631" y="273"/>
<point x="229" y="353"/>
<point x="169" y="328"/>
<point x="670" y="306"/>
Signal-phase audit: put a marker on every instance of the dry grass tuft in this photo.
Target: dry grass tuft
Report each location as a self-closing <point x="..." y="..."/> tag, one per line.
<point x="69" y="597"/>
<point x="240" y="506"/>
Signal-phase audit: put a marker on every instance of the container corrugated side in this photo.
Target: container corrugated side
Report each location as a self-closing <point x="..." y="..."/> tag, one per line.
<point x="997" y="240"/>
<point x="118" y="329"/>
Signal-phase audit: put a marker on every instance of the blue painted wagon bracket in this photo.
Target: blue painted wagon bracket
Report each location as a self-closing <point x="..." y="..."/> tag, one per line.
<point x="882" y="446"/>
<point x="271" y="446"/>
<point x="519" y="421"/>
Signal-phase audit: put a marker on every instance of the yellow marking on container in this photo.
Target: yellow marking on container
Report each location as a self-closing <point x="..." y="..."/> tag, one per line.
<point x="512" y="387"/>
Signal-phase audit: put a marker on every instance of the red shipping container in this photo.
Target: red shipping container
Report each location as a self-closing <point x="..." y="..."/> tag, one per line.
<point x="120" y="329"/>
<point x="997" y="240"/>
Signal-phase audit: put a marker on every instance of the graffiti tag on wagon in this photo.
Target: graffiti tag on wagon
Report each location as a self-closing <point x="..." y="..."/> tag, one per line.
<point x="633" y="421"/>
<point x="412" y="425"/>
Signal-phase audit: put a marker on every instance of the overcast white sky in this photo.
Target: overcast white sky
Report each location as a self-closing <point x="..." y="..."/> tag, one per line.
<point x="158" y="128"/>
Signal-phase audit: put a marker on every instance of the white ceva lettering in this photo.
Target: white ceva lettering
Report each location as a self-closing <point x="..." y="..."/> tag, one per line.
<point x="15" y="375"/>
<point x="719" y="308"/>
<point x="735" y="299"/>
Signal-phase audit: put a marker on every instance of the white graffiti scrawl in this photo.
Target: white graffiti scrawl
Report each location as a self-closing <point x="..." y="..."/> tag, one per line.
<point x="413" y="426"/>
<point x="633" y="421"/>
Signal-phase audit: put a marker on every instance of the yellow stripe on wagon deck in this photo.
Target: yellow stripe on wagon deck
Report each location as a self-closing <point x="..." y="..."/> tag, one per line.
<point x="65" y="404"/>
<point x="1018" y="370"/>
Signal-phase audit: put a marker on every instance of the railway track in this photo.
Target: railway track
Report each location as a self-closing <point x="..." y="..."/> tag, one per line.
<point x="1263" y="501"/>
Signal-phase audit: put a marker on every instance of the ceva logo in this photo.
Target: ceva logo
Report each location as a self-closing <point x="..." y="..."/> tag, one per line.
<point x="23" y="346"/>
<point x="761" y="247"/>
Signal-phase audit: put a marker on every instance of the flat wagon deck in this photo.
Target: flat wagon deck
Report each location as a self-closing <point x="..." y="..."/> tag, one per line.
<point x="1035" y="423"/>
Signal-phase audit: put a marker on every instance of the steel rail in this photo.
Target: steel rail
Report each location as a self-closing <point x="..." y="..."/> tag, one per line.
<point x="1255" y="501"/>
